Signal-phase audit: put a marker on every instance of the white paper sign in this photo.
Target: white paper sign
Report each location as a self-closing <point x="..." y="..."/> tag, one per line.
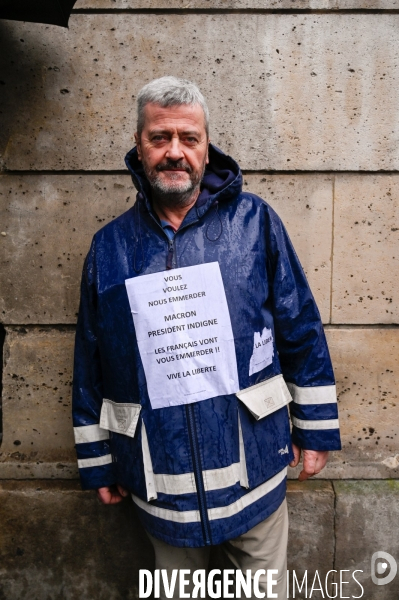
<point x="263" y="351"/>
<point x="184" y="334"/>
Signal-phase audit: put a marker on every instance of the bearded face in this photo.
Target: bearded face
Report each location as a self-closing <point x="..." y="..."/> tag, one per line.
<point x="174" y="182"/>
<point x="173" y="148"/>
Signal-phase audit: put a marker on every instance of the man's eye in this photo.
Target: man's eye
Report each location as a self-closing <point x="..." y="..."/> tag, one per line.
<point x="158" y="138"/>
<point x="191" y="140"/>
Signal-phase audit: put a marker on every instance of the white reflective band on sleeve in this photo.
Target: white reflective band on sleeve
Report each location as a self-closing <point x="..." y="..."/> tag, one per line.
<point x="187" y="516"/>
<point x="322" y="394"/>
<point x="313" y="425"/>
<point x="148" y="470"/>
<point x="99" y="461"/>
<point x="222" y="512"/>
<point x="90" y="433"/>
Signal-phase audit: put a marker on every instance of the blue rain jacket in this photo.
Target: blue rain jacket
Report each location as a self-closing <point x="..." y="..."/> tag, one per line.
<point x="209" y="471"/>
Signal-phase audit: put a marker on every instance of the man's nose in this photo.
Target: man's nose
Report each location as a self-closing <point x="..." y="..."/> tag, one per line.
<point x="174" y="151"/>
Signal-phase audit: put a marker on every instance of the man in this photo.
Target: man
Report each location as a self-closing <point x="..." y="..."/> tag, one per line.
<point x="195" y="316"/>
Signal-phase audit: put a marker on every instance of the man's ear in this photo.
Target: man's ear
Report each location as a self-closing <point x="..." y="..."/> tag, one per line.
<point x="138" y="145"/>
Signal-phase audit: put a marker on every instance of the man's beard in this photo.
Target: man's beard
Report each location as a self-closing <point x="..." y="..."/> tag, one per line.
<point x="173" y="193"/>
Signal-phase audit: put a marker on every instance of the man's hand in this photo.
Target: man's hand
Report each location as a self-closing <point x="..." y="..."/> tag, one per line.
<point x="112" y="494"/>
<point x="313" y="461"/>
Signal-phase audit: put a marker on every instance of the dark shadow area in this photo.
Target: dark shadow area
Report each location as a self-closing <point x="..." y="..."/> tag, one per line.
<point x="41" y="11"/>
<point x="2" y="340"/>
<point x="23" y="60"/>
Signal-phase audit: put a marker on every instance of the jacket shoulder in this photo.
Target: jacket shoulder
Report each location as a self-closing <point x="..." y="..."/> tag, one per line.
<point x="108" y="239"/>
<point x="261" y="204"/>
<point x="117" y="224"/>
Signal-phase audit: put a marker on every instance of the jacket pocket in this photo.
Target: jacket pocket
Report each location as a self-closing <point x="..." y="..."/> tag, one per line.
<point x="119" y="418"/>
<point x="266" y="397"/>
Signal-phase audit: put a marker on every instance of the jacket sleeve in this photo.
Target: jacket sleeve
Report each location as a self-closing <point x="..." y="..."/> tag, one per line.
<point x="302" y="347"/>
<point x="95" y="464"/>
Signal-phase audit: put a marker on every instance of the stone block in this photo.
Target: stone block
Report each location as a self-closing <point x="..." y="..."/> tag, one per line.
<point x="212" y="5"/>
<point x="311" y="534"/>
<point x="60" y="543"/>
<point x="49" y="221"/>
<point x="41" y="265"/>
<point x="366" y="238"/>
<point x="286" y="91"/>
<point x="37" y="423"/>
<point x="367" y="514"/>
<point x="366" y="363"/>
<point x="304" y="202"/>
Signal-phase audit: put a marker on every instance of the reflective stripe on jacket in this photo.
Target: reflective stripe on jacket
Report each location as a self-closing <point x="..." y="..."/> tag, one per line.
<point x="205" y="472"/>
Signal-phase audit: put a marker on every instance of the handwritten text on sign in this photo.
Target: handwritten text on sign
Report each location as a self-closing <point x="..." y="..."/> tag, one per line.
<point x="184" y="334"/>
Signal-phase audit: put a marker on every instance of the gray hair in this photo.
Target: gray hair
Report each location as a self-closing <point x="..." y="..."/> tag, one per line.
<point x="170" y="91"/>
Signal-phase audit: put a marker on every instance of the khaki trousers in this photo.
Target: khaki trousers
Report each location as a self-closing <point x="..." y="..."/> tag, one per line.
<point x="262" y="547"/>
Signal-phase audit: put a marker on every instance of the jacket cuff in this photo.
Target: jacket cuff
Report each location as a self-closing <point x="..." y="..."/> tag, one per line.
<point x="96" y="468"/>
<point x="321" y="440"/>
<point x="314" y="415"/>
<point x="92" y="478"/>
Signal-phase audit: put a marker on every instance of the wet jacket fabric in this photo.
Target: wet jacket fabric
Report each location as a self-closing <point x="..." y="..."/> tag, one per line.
<point x="209" y="471"/>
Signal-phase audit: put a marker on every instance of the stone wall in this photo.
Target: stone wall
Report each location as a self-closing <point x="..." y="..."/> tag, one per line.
<point x="304" y="94"/>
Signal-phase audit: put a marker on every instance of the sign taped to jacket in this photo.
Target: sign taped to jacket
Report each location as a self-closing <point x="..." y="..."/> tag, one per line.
<point x="184" y="334"/>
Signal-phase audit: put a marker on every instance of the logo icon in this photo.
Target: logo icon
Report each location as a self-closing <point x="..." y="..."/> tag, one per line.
<point x="269" y="402"/>
<point x="379" y="565"/>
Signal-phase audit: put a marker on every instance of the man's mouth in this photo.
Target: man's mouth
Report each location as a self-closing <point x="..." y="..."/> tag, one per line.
<point x="174" y="168"/>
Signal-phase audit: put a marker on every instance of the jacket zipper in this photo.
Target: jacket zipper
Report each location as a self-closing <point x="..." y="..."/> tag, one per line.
<point x="198" y="474"/>
<point x="192" y="430"/>
<point x="169" y="258"/>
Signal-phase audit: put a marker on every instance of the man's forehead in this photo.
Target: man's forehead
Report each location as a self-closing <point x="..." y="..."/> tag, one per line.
<point x="184" y="116"/>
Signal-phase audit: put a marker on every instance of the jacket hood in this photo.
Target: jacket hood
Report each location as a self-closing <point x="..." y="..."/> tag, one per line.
<point x="222" y="178"/>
